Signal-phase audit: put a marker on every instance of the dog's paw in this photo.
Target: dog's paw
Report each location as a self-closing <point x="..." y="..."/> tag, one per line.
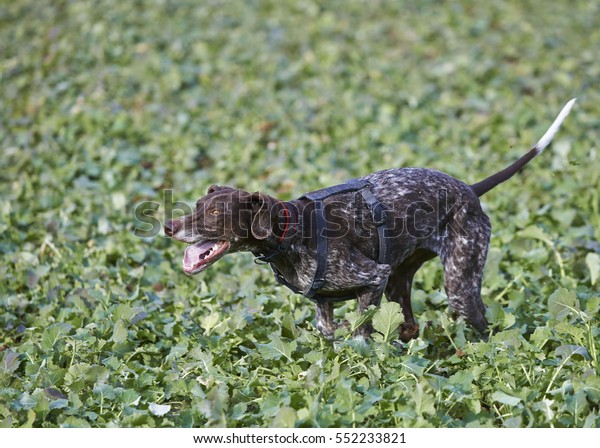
<point x="327" y="330"/>
<point x="364" y="331"/>
<point x="408" y="331"/>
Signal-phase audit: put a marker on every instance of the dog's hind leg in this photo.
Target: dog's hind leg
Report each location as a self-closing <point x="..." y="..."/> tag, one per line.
<point x="463" y="256"/>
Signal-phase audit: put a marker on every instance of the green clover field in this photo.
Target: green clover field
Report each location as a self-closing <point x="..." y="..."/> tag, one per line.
<point x="106" y="105"/>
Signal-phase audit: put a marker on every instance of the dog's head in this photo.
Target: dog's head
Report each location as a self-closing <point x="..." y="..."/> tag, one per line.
<point x="225" y="220"/>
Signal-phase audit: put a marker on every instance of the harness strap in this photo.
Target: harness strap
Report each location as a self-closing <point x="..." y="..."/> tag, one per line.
<point x="379" y="219"/>
<point x="378" y="215"/>
<point x="319" y="277"/>
<point x="351" y="185"/>
<point x="315" y="297"/>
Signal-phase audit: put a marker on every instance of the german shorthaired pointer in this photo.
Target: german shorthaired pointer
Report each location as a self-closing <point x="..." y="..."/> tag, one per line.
<point x="360" y="239"/>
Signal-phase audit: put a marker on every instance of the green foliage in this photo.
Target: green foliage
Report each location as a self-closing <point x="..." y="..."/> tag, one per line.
<point x="109" y="104"/>
<point x="386" y="321"/>
<point x="593" y="263"/>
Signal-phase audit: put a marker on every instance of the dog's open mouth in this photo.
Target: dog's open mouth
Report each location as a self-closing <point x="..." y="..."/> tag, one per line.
<point x="201" y="255"/>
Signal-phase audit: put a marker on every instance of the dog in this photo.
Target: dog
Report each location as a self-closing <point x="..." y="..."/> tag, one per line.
<point x="360" y="239"/>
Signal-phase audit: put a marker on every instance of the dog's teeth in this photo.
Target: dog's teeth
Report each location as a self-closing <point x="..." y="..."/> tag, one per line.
<point x="208" y="253"/>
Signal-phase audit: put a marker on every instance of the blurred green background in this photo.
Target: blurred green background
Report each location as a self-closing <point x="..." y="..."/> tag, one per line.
<point x="105" y="104"/>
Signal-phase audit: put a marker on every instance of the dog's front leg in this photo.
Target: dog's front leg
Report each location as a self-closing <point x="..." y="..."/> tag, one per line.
<point x="324" y="316"/>
<point x="373" y="278"/>
<point x="370" y="296"/>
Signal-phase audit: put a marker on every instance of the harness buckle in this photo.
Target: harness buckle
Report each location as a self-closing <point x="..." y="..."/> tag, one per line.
<point x="379" y="215"/>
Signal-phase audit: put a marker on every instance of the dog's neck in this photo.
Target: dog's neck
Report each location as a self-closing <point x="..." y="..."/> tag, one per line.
<point x="291" y="226"/>
<point x="278" y="239"/>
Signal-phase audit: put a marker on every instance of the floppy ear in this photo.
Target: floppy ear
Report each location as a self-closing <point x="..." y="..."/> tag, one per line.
<point x="262" y="225"/>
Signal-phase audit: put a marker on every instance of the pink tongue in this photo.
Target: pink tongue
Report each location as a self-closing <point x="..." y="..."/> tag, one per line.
<point x="192" y="255"/>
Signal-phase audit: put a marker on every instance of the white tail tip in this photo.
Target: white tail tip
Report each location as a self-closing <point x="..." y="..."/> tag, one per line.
<point x="549" y="135"/>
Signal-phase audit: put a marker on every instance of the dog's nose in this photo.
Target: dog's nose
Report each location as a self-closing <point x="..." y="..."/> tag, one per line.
<point x="171" y="227"/>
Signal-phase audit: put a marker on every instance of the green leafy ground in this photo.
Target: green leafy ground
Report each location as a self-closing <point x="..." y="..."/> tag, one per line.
<point x="105" y="104"/>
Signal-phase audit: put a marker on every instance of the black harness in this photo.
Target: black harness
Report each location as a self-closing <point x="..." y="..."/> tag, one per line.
<point x="379" y="219"/>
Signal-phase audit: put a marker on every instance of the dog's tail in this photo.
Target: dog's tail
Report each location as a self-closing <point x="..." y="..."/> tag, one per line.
<point x="480" y="188"/>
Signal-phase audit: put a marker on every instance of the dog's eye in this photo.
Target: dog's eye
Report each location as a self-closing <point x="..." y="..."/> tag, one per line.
<point x="215" y="212"/>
